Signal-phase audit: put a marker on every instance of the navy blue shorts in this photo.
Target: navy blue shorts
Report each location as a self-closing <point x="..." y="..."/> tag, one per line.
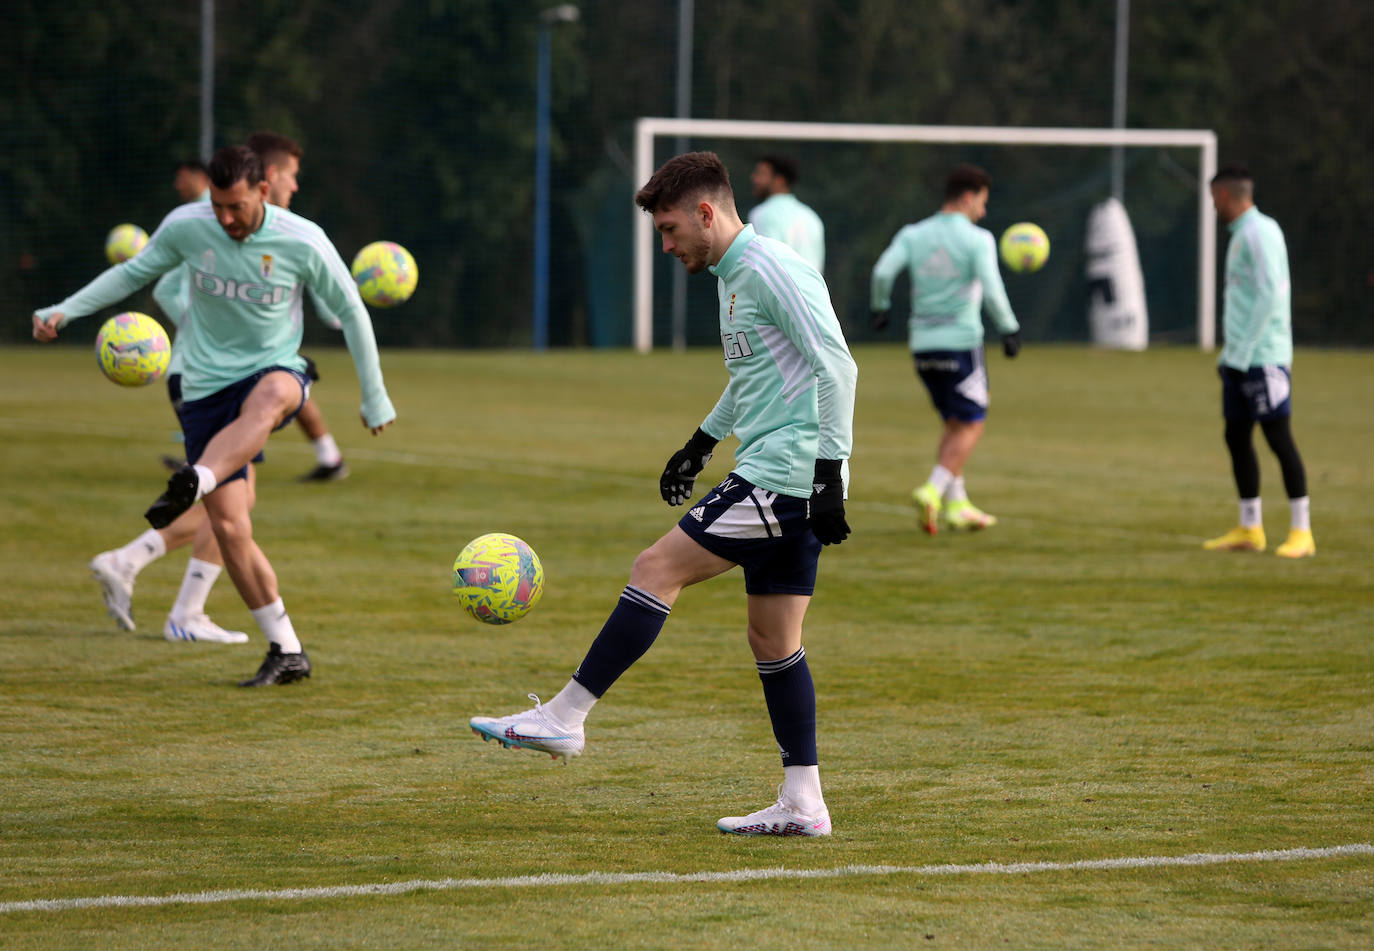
<point x="1258" y="394"/>
<point x="957" y="381"/>
<point x="767" y="534"/>
<point x="201" y="419"/>
<point x="174" y="393"/>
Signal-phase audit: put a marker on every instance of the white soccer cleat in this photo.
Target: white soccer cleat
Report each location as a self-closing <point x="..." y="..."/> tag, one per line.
<point x="781" y="818"/>
<point x="117" y="585"/>
<point x="199" y="627"/>
<point x="531" y="729"/>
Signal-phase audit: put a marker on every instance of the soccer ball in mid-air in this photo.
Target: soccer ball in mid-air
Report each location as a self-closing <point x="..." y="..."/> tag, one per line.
<point x="497" y="578"/>
<point x="1025" y="247"/>
<point x="386" y="274"/>
<point x="132" y="349"/>
<point x="123" y="242"/>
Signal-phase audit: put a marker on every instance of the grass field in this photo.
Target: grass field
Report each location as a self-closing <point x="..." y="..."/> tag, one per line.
<point x="1080" y="683"/>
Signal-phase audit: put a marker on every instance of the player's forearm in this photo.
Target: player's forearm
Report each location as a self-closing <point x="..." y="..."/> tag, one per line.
<point x="720" y="422"/>
<point x="111" y="287"/>
<point x="362" y="346"/>
<point x="835" y="390"/>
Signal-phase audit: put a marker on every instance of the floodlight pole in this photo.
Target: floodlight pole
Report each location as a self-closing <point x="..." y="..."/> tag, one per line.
<point x="565" y="13"/>
<point x="685" y="21"/>
<point x="1123" y="32"/>
<point x="207" y="79"/>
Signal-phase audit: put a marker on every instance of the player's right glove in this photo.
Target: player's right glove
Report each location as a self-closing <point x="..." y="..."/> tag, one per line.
<point x="827" y="503"/>
<point x="1011" y="344"/>
<point x="680" y="474"/>
<point x="878" y="319"/>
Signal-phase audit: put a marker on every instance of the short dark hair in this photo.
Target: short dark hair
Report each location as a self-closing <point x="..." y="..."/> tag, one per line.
<point x="685" y="177"/>
<point x="273" y="147"/>
<point x="191" y="165"/>
<point x="966" y="178"/>
<point x="784" y="165"/>
<point x="234" y="163"/>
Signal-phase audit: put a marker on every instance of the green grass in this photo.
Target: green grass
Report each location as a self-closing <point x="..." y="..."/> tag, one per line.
<point x="1081" y="682"/>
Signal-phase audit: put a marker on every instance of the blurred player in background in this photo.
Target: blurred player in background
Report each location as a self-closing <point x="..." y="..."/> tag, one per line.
<point x="790" y="401"/>
<point x="780" y="214"/>
<point x="116" y="570"/>
<point x="1255" y="365"/>
<point x="953" y="267"/>
<point x="191" y="181"/>
<point x="243" y="376"/>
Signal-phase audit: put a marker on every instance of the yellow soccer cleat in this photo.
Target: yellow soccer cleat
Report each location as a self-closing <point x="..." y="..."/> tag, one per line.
<point x="1240" y="538"/>
<point x="927" y="499"/>
<point x="1299" y="544"/>
<point x="967" y="517"/>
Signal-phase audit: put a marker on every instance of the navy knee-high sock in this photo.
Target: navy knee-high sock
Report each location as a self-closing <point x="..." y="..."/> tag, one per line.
<point x="791" y="698"/>
<point x="625" y="637"/>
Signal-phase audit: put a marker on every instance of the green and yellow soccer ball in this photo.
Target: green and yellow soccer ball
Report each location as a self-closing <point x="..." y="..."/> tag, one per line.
<point x="386" y="274"/>
<point x="497" y="578"/>
<point x="132" y="349"/>
<point x="123" y="242"/>
<point x="1024" y="247"/>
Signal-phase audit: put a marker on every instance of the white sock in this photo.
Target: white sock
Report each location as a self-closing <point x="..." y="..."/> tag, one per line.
<point x="1301" y="510"/>
<point x="940" y="477"/>
<point x="195" y="588"/>
<point x="207" y="481"/>
<point x="801" y="786"/>
<point x="142" y="551"/>
<point x="277" y="626"/>
<point x="572" y="705"/>
<point x="956" y="491"/>
<point x="327" y="451"/>
<point x="1250" y="513"/>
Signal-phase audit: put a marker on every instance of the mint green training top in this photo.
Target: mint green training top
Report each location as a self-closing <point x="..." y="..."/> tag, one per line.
<point x="244" y="312"/>
<point x="785" y="217"/>
<point x="1257" y="307"/>
<point x="953" y="265"/>
<point x="790" y="398"/>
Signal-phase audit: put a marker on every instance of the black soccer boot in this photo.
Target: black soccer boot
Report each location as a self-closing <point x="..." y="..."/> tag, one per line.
<point x="279" y="668"/>
<point x="180" y="496"/>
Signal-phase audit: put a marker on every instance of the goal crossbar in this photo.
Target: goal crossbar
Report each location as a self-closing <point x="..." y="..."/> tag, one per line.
<point x="648" y="129"/>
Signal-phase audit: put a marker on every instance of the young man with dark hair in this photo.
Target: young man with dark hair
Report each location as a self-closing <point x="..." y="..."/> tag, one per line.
<point x="780" y="214"/>
<point x="953" y="267"/>
<point x="1256" y="365"/>
<point x="790" y="401"/>
<point x="243" y="375"/>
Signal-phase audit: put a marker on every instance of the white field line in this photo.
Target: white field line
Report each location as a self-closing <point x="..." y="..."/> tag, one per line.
<point x="553" y="880"/>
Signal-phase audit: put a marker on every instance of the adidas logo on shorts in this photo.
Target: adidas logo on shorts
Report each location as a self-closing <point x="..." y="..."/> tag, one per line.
<point x="697" y="513"/>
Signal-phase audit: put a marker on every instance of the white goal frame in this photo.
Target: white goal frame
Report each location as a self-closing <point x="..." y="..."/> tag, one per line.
<point x="647" y="129"/>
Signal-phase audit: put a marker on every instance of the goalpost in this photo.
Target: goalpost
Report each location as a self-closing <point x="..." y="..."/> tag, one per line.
<point x="648" y="129"/>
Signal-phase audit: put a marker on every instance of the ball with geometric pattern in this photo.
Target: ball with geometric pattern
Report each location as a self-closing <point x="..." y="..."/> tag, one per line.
<point x="123" y="242"/>
<point x="497" y="578"/>
<point x="132" y="349"/>
<point x="1024" y="247"/>
<point x="386" y="274"/>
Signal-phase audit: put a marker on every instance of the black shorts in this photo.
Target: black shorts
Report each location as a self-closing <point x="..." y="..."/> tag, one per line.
<point x="201" y="419"/>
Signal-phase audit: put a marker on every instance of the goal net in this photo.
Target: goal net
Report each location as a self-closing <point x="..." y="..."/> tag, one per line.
<point x="867" y="181"/>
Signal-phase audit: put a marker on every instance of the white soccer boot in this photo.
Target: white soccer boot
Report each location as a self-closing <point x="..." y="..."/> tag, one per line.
<point x="199" y="627"/>
<point x="531" y="729"/>
<point x="781" y="818"/>
<point x="117" y="586"/>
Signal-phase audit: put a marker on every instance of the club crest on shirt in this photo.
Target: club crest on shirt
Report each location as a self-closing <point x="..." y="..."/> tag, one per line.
<point x="266" y="266"/>
<point x="731" y="315"/>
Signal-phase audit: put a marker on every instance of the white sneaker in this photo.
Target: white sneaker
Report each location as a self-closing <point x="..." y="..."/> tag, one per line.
<point x="781" y="818"/>
<point x="532" y="729"/>
<point x="117" y="585"/>
<point x="199" y="627"/>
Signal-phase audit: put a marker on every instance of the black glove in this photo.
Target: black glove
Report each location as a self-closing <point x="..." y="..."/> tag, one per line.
<point x="675" y="485"/>
<point x="827" y="503"/>
<point x="1011" y="344"/>
<point x="878" y="319"/>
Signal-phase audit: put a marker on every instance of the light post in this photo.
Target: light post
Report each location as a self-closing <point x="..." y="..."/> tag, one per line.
<point x="563" y="13"/>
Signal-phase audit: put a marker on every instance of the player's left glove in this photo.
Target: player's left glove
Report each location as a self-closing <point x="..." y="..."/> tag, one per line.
<point x="827" y="503"/>
<point x="1011" y="344"/>
<point x="680" y="474"/>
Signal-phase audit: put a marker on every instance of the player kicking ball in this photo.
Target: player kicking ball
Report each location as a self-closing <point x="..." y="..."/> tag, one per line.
<point x="790" y="401"/>
<point x="242" y="374"/>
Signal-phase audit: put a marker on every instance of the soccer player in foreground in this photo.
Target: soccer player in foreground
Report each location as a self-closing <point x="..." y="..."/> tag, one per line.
<point x="243" y="376"/>
<point x="116" y="570"/>
<point x="790" y="401"/>
<point x="953" y="265"/>
<point x="1255" y="365"/>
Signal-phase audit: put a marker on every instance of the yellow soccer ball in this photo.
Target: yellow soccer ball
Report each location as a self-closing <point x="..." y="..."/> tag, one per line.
<point x="497" y="578"/>
<point x="1024" y="247"/>
<point x="123" y="242"/>
<point x="386" y="274"/>
<point x="132" y="349"/>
